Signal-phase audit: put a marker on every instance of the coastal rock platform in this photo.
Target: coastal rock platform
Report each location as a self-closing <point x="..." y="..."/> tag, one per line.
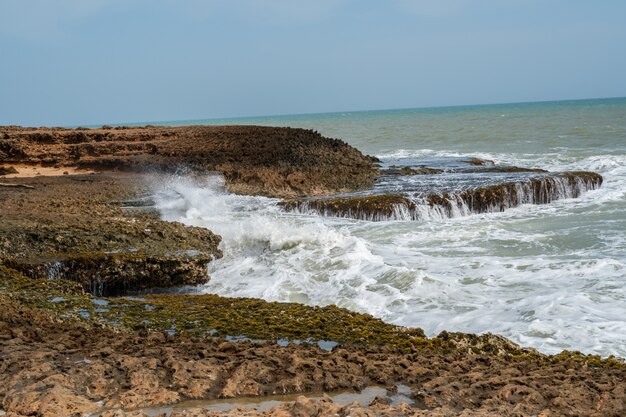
<point x="61" y="358"/>
<point x="72" y="227"/>
<point x="84" y="331"/>
<point x="272" y="161"/>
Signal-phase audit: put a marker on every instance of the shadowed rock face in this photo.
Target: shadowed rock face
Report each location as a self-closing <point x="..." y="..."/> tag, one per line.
<point x="494" y="198"/>
<point x="7" y="170"/>
<point x="371" y="207"/>
<point x="272" y="161"/>
<point x="108" y="274"/>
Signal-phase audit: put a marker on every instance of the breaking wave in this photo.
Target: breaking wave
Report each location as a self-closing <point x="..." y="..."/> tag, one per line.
<point x="547" y="276"/>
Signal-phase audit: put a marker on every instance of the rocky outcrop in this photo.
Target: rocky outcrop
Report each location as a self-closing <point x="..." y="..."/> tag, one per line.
<point x="499" y="169"/>
<point x="495" y="198"/>
<point x="72" y="228"/>
<point x="369" y="207"/>
<point x="541" y="190"/>
<point x="7" y="170"/>
<point x="106" y="274"/>
<point x="271" y="161"/>
<point x="382" y="406"/>
<point x="66" y="243"/>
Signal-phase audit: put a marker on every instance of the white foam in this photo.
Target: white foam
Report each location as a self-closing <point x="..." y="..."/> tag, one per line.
<point x="549" y="276"/>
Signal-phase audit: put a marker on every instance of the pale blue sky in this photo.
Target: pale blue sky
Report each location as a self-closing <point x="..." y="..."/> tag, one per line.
<point x="71" y="62"/>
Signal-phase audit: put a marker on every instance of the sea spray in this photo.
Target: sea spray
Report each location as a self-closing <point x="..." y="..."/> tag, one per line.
<point x="277" y="256"/>
<point x="549" y="276"/>
<point x="475" y="274"/>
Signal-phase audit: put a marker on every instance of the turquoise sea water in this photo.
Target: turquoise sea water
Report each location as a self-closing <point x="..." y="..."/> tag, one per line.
<point x="550" y="276"/>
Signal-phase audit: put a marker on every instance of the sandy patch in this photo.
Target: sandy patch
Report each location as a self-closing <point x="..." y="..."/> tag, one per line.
<point x="29" y="171"/>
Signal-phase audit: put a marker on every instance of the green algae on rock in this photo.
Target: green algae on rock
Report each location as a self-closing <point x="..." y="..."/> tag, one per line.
<point x="214" y="316"/>
<point x="137" y="351"/>
<point x="60" y="364"/>
<point x="208" y="315"/>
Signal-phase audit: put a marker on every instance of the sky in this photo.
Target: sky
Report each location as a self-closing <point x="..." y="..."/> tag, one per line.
<point x="89" y="62"/>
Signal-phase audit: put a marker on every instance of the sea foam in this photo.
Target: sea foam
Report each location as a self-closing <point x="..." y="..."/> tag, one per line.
<point x="550" y="277"/>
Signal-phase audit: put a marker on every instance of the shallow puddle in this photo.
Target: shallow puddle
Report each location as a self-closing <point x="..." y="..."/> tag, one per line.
<point x="365" y="397"/>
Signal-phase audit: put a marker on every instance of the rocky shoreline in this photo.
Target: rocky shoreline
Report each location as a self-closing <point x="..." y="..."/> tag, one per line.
<point x="543" y="189"/>
<point x="70" y="227"/>
<point x="271" y="161"/>
<point x="76" y="339"/>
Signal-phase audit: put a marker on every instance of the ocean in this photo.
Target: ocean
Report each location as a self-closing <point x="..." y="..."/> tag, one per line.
<point x="550" y="276"/>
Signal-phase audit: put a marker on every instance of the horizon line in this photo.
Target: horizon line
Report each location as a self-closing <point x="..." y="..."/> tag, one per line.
<point x="267" y="116"/>
<point x="190" y="122"/>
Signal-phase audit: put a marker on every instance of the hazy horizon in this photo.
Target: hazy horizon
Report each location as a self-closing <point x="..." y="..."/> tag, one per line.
<point x="295" y="115"/>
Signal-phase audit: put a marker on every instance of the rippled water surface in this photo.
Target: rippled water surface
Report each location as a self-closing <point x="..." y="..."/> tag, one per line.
<point x="549" y="276"/>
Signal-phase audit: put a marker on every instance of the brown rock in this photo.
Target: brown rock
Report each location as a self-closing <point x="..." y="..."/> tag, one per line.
<point x="542" y="189"/>
<point x="43" y="399"/>
<point x="271" y="161"/>
<point x="6" y="170"/>
<point x="70" y="228"/>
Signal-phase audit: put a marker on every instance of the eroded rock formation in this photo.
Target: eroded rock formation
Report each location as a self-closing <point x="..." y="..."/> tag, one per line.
<point x="494" y="198"/>
<point x="271" y="161"/>
<point x="67" y="227"/>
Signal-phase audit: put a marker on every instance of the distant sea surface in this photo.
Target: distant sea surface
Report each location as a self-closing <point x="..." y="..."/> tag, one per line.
<point x="549" y="276"/>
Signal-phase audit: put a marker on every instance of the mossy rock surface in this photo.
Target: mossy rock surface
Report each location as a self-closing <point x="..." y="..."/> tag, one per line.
<point x="209" y="315"/>
<point x="214" y="316"/>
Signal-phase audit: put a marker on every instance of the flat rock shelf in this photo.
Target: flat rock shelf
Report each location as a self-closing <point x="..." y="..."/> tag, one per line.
<point x="448" y="187"/>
